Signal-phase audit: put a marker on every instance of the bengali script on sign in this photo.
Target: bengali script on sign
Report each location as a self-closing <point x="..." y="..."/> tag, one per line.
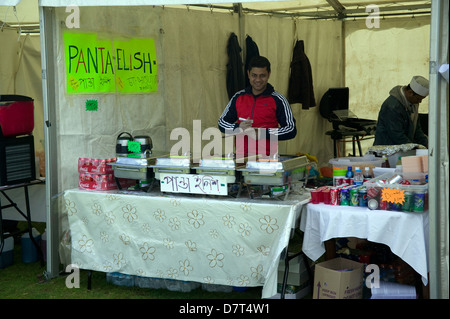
<point x="109" y="65"/>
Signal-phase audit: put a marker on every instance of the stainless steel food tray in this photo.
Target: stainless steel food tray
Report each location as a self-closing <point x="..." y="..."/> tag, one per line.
<point x="172" y="164"/>
<point x="140" y="172"/>
<point x="220" y="167"/>
<point x="135" y="167"/>
<point x="286" y="169"/>
<point x="180" y="161"/>
<point x="140" y="160"/>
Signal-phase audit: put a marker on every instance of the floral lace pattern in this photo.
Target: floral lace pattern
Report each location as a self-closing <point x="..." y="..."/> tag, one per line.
<point x="228" y="242"/>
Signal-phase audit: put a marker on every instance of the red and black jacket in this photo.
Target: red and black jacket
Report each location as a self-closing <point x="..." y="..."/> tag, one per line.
<point x="269" y="110"/>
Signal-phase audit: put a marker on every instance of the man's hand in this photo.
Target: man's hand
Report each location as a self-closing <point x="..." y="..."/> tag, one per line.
<point x="246" y="124"/>
<point x="255" y="133"/>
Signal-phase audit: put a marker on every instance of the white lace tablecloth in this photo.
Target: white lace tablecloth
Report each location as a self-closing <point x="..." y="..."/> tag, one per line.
<point x="223" y="241"/>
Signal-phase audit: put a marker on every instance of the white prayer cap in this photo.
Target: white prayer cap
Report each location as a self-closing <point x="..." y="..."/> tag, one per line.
<point x="419" y="85"/>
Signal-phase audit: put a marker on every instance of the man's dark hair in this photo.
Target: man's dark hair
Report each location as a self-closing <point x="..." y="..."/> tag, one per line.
<point x="259" y="62"/>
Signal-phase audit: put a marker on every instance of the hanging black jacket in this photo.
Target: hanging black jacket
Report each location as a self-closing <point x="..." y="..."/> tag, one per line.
<point x="235" y="72"/>
<point x="251" y="51"/>
<point x="300" y="81"/>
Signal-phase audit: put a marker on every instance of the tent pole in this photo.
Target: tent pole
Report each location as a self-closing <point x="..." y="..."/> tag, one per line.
<point x="438" y="152"/>
<point x="238" y="8"/>
<point x="343" y="53"/>
<point x="47" y="25"/>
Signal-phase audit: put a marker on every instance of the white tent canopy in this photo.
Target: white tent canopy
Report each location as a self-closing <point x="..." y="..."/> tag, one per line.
<point x="191" y="79"/>
<point x="26" y="9"/>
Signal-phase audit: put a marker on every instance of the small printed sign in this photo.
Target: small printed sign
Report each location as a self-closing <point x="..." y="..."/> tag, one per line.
<point x="91" y="105"/>
<point x="193" y="184"/>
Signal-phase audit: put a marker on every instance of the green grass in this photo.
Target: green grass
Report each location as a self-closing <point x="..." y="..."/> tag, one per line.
<point x="26" y="281"/>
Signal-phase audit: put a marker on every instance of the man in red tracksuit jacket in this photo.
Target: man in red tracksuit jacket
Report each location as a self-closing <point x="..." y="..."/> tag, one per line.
<point x="258" y="113"/>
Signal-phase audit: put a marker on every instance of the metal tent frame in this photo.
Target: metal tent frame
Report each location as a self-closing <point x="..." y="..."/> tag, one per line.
<point x="330" y="9"/>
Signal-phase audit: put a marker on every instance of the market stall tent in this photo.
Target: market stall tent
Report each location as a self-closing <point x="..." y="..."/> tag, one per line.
<point x="20" y="56"/>
<point x="191" y="80"/>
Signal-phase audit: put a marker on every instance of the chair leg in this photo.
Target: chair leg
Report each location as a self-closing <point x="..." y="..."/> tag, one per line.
<point x="308" y="268"/>
<point x="285" y="275"/>
<point x="89" y="280"/>
<point x="359" y="147"/>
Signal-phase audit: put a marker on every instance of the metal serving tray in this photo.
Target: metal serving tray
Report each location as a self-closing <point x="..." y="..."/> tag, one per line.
<point x="135" y="167"/>
<point x="287" y="169"/>
<point x="178" y="161"/>
<point x="220" y="167"/>
<point x="139" y="172"/>
<point x="140" y="160"/>
<point x="172" y="165"/>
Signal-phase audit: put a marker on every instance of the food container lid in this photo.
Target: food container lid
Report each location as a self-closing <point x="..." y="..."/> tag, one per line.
<point x="339" y="172"/>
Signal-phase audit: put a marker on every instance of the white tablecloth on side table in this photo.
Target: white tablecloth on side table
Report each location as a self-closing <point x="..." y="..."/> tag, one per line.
<point x="223" y="241"/>
<point x="405" y="233"/>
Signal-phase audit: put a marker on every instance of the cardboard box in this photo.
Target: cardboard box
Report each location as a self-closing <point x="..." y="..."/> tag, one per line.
<point x="292" y="292"/>
<point x="412" y="164"/>
<point x="298" y="282"/>
<point x="338" y="278"/>
<point x="298" y="274"/>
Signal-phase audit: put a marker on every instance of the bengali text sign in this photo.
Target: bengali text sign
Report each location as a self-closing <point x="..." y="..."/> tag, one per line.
<point x="96" y="65"/>
<point x="193" y="184"/>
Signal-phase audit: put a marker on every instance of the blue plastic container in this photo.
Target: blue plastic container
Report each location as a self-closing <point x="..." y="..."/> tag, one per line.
<point x="120" y="279"/>
<point x="30" y="253"/>
<point x="7" y="254"/>
<point x="240" y="289"/>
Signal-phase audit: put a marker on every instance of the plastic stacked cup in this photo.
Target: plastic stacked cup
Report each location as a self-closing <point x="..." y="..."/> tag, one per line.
<point x="315" y="196"/>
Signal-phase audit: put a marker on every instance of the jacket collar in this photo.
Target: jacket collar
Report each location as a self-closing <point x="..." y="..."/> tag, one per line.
<point x="268" y="91"/>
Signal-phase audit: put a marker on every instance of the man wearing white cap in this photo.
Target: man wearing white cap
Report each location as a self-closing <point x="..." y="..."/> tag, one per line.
<point x="398" y="117"/>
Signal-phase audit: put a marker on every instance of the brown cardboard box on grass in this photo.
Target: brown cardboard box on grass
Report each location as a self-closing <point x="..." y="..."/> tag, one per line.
<point x="338" y="278"/>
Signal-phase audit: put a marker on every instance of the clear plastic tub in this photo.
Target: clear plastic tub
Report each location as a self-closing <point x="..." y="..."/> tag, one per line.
<point x="149" y="282"/>
<point x="378" y="171"/>
<point x="120" y="279"/>
<point x="377" y="182"/>
<point x="217" y="288"/>
<point x="361" y="161"/>
<point x="416" y="201"/>
<point x="414" y="178"/>
<point x="179" y="285"/>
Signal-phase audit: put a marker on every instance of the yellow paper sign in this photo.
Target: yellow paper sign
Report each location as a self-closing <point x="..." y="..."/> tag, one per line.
<point x="96" y="65"/>
<point x="393" y="195"/>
